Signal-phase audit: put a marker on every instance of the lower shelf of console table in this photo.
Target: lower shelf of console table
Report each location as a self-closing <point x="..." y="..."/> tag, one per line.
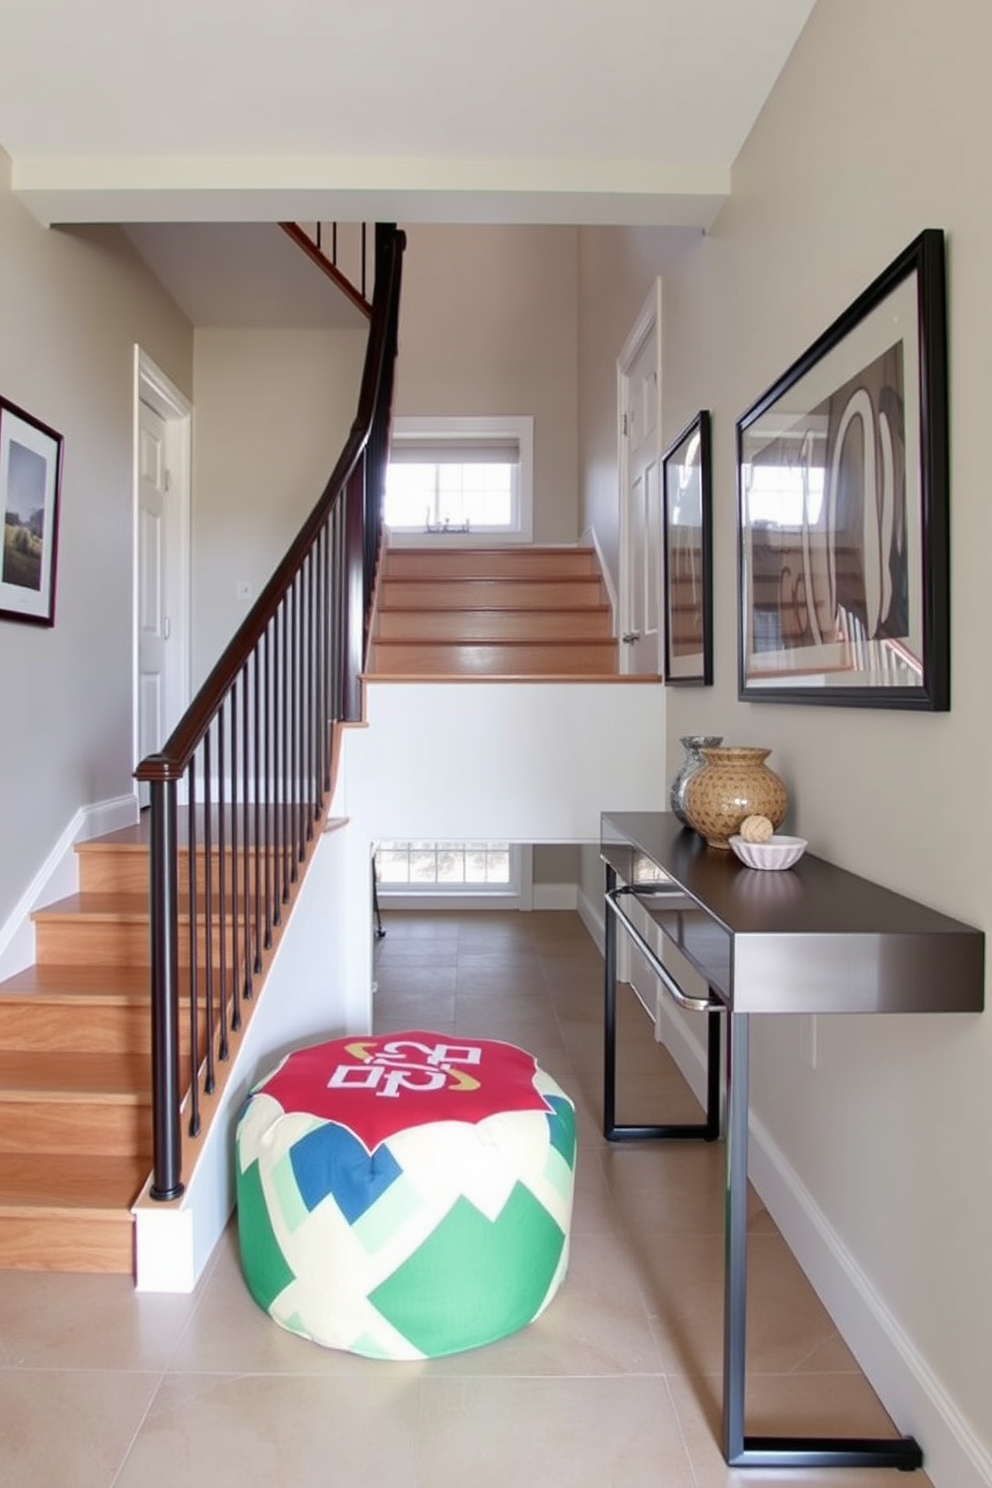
<point x="814" y="939"/>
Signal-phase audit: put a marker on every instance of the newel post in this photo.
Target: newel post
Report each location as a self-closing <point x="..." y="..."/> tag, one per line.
<point x="166" y="1095"/>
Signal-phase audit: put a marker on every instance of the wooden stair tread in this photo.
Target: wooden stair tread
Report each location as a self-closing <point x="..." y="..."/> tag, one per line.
<point x="50" y="1183"/>
<point x="96" y="906"/>
<point x="559" y="677"/>
<point x="79" y="985"/>
<point x="28" y="1074"/>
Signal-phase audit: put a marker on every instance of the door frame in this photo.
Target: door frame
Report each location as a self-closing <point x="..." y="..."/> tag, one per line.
<point x="647" y="323"/>
<point x="152" y="386"/>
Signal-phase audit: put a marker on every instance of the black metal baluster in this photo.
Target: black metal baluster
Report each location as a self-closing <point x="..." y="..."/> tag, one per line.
<point x="246" y="806"/>
<point x="235" y="905"/>
<point x="267" y="783"/>
<point x="279" y="765"/>
<point x="166" y="1133"/>
<point x="257" y="764"/>
<point x="208" y="910"/>
<point x="224" y="1050"/>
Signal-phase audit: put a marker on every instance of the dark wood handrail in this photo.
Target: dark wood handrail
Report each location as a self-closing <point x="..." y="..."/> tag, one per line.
<point x="253" y="755"/>
<point x="328" y="265"/>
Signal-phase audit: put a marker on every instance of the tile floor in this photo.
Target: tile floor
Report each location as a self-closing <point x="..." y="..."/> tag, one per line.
<point x="617" y="1385"/>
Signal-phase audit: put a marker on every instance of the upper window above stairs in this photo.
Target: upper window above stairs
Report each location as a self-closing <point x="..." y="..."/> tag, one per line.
<point x="460" y="477"/>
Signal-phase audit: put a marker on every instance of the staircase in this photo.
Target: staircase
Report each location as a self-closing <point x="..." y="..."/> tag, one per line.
<point x="75" y="1071"/>
<point x="492" y="612"/>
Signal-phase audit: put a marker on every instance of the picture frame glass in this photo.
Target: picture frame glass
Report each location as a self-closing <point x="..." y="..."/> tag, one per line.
<point x="30" y="457"/>
<point x="840" y="521"/>
<point x="686" y="487"/>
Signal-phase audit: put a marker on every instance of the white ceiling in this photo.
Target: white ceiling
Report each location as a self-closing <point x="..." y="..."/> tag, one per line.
<point x="442" y="110"/>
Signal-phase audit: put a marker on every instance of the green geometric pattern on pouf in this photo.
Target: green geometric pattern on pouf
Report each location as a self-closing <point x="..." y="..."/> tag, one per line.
<point x="406" y="1196"/>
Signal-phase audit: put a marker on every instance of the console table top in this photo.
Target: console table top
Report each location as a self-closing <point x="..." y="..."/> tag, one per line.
<point x="811" y="938"/>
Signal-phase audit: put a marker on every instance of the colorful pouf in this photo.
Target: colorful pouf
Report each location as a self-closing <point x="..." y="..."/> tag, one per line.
<point x="405" y="1196"/>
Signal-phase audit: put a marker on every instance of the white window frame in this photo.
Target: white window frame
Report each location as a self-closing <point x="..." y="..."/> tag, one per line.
<point x="519" y="894"/>
<point x="448" y="430"/>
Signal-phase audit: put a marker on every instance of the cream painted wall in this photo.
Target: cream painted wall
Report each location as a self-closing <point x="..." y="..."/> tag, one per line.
<point x="877" y="128"/>
<point x="488" y="326"/>
<point x="273" y="411"/>
<point x="72" y="305"/>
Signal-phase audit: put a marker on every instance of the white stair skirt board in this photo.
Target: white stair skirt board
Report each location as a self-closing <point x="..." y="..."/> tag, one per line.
<point x="319" y="986"/>
<point x="897" y="1371"/>
<point x="58" y="877"/>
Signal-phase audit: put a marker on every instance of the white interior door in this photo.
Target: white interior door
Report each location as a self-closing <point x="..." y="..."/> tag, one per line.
<point x="639" y="389"/>
<point x="161" y="586"/>
<point x="154" y="621"/>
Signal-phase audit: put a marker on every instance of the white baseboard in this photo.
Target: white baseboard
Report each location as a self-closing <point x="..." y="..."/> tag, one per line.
<point x="899" y="1374"/>
<point x="58" y="877"/>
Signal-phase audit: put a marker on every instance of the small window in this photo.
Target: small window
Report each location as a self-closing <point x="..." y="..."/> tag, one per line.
<point x="452" y="476"/>
<point x="428" y="867"/>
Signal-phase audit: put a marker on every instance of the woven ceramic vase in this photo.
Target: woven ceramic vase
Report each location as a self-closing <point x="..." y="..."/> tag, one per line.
<point x="733" y="783"/>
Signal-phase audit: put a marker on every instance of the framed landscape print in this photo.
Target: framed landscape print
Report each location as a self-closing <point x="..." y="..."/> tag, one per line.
<point x="842" y="472"/>
<point x="30" y="474"/>
<point x="688" y="543"/>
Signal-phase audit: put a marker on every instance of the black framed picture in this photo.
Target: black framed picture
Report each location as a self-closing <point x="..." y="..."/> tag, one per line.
<point x="30" y="476"/>
<point x="688" y="541"/>
<point x="842" y="471"/>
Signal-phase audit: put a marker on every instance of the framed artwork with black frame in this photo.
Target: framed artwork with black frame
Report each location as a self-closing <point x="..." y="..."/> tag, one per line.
<point x="30" y="478"/>
<point x="842" y="474"/>
<point x="688" y="543"/>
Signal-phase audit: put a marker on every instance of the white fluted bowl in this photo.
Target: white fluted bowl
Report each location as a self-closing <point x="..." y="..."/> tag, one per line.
<point x="777" y="852"/>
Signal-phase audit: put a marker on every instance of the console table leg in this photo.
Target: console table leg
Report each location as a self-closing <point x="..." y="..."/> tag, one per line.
<point x="740" y="1450"/>
<point x="735" y="1243"/>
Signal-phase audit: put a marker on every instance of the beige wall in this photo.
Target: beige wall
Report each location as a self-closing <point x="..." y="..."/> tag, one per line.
<point x="72" y="306"/>
<point x="878" y="127"/>
<point x="273" y="412"/>
<point x="488" y="326"/>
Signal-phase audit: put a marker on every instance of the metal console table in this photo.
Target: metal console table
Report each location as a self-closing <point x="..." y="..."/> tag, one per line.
<point x="811" y="939"/>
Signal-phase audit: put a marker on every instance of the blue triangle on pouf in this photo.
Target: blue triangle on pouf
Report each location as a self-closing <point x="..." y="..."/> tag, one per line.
<point x="330" y="1159"/>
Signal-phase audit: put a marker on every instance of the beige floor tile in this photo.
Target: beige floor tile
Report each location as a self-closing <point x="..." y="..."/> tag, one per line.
<point x="682" y="1279"/>
<point x="583" y="1433"/>
<point x="252" y="1431"/>
<point x="405" y="981"/>
<point x="50" y="1320"/>
<point x="670" y="1188"/>
<point x="63" y="1428"/>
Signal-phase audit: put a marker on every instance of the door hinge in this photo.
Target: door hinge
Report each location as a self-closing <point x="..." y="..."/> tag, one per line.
<point x="167" y="482"/>
<point x="166" y="628"/>
<point x="625" y="426"/>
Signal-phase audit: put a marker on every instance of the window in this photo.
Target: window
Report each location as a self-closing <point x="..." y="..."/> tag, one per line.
<point x="432" y="865"/>
<point x="451" y="476"/>
<point x="453" y="875"/>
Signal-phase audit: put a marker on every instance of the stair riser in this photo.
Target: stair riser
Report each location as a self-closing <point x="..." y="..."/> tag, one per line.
<point x="83" y="1125"/>
<point x="585" y="659"/>
<point x="107" y="872"/>
<point x="495" y="563"/>
<point x="106" y="943"/>
<point x="467" y="594"/>
<point x="58" y="1028"/>
<point x="494" y="625"/>
<point x="67" y="1242"/>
